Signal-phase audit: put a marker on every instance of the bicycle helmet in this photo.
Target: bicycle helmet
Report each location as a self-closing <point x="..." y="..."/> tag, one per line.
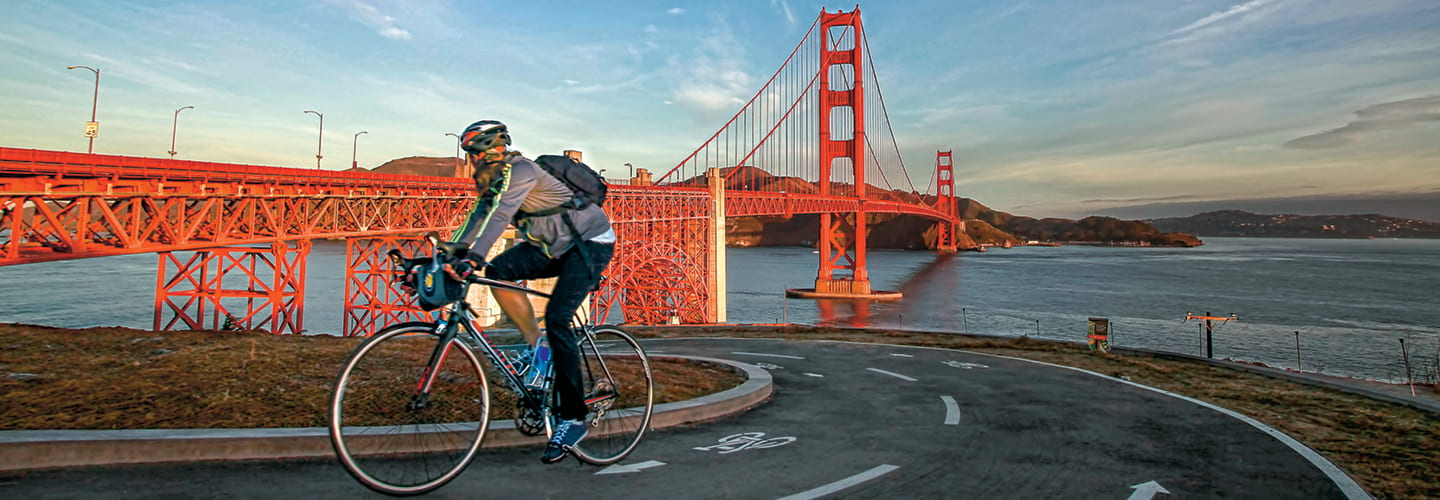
<point x="483" y="135"/>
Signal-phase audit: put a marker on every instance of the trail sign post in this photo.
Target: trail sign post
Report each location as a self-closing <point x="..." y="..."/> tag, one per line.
<point x="1099" y="335"/>
<point x="1210" y="329"/>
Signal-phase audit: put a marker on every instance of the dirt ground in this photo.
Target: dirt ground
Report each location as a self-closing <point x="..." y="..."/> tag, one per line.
<point x="118" y="378"/>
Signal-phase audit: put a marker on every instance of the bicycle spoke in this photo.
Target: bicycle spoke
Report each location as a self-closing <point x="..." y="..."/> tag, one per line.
<point x="619" y="390"/>
<point x="386" y="442"/>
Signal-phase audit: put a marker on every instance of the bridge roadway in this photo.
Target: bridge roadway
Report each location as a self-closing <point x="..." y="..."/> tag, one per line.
<point x="850" y="420"/>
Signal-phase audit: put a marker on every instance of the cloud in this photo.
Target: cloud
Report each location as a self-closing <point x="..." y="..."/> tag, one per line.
<point x="1223" y="22"/>
<point x="785" y="9"/>
<point x="1393" y="115"/>
<point x="1235" y="10"/>
<point x="675" y="11"/>
<point x="394" y="33"/>
<point x="650" y="28"/>
<point x="1139" y="200"/>
<point x="713" y="79"/>
<point x="368" y="15"/>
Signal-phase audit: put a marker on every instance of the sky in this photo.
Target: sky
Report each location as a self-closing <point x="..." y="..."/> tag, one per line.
<point x="1137" y="108"/>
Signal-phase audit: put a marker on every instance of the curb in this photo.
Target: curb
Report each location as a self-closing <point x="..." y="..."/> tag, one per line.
<point x="21" y="450"/>
<point x="1299" y="378"/>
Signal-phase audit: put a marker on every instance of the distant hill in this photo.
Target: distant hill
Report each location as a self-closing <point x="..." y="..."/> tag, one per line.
<point x="1093" y="229"/>
<point x="1242" y="223"/>
<point x="419" y="165"/>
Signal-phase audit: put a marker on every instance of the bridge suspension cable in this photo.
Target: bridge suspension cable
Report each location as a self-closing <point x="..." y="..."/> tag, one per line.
<point x="771" y="143"/>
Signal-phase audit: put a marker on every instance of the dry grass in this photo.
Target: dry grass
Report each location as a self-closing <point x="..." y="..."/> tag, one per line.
<point x="119" y="378"/>
<point x="1393" y="451"/>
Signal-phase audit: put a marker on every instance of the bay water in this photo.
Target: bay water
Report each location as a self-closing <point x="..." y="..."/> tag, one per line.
<point x="1351" y="301"/>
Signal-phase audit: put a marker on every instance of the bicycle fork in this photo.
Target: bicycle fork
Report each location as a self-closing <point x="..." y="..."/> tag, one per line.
<point x="421" y="398"/>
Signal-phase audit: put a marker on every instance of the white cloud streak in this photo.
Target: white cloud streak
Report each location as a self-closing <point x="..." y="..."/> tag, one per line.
<point x="1234" y="10"/>
<point x="785" y="9"/>
<point x="368" y="15"/>
<point x="675" y="11"/>
<point x="1394" y="115"/>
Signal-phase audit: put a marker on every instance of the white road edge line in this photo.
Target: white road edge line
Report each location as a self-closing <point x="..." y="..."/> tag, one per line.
<point x="952" y="410"/>
<point x="893" y="374"/>
<point x="766" y="355"/>
<point x="1347" y="485"/>
<point x="878" y="471"/>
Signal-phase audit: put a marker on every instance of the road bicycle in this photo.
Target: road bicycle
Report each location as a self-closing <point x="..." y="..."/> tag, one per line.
<point x="411" y="404"/>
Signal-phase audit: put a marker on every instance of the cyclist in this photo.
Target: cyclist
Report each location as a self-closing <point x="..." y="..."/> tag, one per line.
<point x="573" y="244"/>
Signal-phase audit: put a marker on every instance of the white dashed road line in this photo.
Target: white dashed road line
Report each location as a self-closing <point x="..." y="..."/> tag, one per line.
<point x="766" y="355"/>
<point x="893" y="374"/>
<point x="952" y="410"/>
<point x="843" y="483"/>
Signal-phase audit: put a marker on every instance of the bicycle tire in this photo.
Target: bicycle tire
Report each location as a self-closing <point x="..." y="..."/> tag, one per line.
<point x="616" y="423"/>
<point x="390" y="447"/>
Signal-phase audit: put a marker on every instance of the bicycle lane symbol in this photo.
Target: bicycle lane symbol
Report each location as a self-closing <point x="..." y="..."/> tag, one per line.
<point x="746" y="441"/>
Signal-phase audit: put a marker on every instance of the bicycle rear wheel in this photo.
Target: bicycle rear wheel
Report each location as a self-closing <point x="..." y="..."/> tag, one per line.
<point x="393" y="441"/>
<point x="620" y="392"/>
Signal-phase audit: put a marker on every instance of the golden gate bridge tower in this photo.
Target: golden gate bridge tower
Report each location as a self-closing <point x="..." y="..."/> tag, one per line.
<point x="842" y="146"/>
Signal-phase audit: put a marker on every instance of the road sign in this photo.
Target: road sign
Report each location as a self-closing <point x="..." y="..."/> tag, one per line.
<point x="1099" y="336"/>
<point x="92" y="129"/>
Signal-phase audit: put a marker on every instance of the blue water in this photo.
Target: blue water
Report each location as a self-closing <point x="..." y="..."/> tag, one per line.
<point x="1351" y="300"/>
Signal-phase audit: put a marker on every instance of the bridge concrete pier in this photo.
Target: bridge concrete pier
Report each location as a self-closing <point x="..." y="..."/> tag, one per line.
<point x="843" y="289"/>
<point x="716" y="280"/>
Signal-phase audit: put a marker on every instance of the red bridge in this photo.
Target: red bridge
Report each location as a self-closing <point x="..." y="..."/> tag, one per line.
<point x="799" y="146"/>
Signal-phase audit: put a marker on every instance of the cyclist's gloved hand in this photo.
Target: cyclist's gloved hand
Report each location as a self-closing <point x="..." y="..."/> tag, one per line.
<point x="463" y="268"/>
<point x="409" y="275"/>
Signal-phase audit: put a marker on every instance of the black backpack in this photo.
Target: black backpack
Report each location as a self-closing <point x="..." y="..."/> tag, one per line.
<point x="589" y="188"/>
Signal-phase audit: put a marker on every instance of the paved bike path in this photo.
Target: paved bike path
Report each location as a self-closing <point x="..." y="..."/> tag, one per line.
<point x="851" y="420"/>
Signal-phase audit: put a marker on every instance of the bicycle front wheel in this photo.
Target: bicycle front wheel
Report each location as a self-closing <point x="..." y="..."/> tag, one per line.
<point x="393" y="436"/>
<point x="620" y="392"/>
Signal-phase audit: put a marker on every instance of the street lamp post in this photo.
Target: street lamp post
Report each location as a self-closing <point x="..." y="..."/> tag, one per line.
<point x="320" y="141"/>
<point x="632" y="170"/>
<point x="173" y="126"/>
<point x="353" y="144"/>
<point x="94" y="103"/>
<point x="457" y="145"/>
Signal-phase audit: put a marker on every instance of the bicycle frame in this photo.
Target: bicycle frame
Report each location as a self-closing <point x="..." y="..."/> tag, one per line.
<point x="459" y="317"/>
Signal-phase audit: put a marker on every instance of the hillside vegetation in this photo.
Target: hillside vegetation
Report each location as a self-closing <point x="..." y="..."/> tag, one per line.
<point x="1242" y="223"/>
